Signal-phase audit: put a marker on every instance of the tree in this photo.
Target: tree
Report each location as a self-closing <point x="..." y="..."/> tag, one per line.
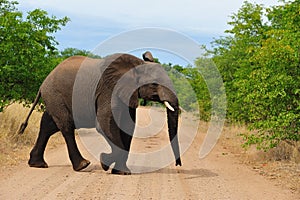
<point x="68" y="52"/>
<point x="27" y="47"/>
<point x="199" y="87"/>
<point x="183" y="86"/>
<point x="276" y="84"/>
<point x="233" y="53"/>
<point x="260" y="65"/>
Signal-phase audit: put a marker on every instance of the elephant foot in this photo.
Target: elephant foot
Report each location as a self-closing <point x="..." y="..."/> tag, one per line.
<point x="82" y="165"/>
<point x="104" y="161"/>
<point x="121" y="172"/>
<point x="120" y="168"/>
<point x="37" y="163"/>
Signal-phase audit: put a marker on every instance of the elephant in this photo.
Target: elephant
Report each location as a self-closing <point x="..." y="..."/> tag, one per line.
<point x="83" y="92"/>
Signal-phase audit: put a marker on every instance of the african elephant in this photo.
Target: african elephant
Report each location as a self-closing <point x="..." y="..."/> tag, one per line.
<point x="82" y="92"/>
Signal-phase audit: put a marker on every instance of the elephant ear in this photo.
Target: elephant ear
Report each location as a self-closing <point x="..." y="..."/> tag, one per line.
<point x="147" y="56"/>
<point x="126" y="89"/>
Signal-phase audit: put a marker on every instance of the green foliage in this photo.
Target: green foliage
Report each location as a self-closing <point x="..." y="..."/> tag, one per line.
<point x="210" y="89"/>
<point x="186" y="95"/>
<point x="68" y="52"/>
<point x="192" y="89"/>
<point x="199" y="88"/>
<point x="27" y="49"/>
<point x="260" y="65"/>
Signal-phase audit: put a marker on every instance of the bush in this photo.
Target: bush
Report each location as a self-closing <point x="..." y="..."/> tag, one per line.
<point x="260" y="64"/>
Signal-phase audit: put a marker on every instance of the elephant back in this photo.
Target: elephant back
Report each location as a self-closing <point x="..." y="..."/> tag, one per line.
<point x="97" y="78"/>
<point x="116" y="66"/>
<point x="57" y="89"/>
<point x="83" y="97"/>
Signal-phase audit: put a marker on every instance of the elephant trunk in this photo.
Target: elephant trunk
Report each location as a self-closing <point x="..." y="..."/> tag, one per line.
<point x="173" y="129"/>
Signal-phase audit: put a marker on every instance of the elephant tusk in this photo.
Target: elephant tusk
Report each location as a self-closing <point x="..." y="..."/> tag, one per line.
<point x="169" y="106"/>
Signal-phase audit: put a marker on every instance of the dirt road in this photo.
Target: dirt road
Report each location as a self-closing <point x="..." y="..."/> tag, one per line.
<point x="218" y="176"/>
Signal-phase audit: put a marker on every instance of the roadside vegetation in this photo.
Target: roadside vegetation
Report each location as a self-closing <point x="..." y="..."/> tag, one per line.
<point x="259" y="60"/>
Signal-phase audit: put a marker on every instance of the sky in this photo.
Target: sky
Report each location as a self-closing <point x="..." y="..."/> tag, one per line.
<point x="94" y="22"/>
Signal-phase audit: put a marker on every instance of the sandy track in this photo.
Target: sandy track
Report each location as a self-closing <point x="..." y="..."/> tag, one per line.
<point x="218" y="176"/>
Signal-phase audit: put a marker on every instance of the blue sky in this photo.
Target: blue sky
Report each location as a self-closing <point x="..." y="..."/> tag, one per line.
<point x="93" y="21"/>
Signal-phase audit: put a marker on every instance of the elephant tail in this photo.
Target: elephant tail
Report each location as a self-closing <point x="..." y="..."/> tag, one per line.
<point x="25" y="123"/>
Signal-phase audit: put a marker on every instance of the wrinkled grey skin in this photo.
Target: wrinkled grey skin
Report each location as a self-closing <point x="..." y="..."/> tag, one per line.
<point x="114" y="106"/>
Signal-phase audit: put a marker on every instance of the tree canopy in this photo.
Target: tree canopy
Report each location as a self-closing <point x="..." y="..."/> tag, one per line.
<point x="260" y="64"/>
<point x="27" y="48"/>
<point x="68" y="52"/>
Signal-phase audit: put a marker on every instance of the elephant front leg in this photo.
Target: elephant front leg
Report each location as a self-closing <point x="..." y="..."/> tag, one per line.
<point x="126" y="126"/>
<point x="119" y="157"/>
<point x="119" y="137"/>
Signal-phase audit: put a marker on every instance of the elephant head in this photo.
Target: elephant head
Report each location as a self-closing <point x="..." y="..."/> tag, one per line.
<point x="138" y="79"/>
<point x="155" y="85"/>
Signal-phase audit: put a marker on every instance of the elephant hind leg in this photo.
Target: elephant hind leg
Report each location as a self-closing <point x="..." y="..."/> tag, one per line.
<point x="47" y="128"/>
<point x="78" y="162"/>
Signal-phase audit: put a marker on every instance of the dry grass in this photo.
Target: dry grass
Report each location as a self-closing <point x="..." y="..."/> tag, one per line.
<point x="15" y="148"/>
<point x="281" y="163"/>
